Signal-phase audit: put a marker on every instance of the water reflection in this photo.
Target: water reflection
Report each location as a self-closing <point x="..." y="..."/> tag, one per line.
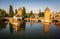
<point x="29" y="30"/>
<point x="11" y="28"/>
<point x="17" y="28"/>
<point x="31" y="24"/>
<point x="57" y="25"/>
<point x="2" y="25"/>
<point x="46" y="27"/>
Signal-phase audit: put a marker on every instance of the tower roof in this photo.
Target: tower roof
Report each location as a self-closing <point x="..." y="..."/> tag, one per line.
<point x="19" y="8"/>
<point x="47" y="9"/>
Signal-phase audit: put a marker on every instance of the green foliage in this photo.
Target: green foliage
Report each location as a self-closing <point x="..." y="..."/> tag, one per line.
<point x="11" y="13"/>
<point x="16" y="11"/>
<point x="23" y="13"/>
<point x="2" y="25"/>
<point x="2" y="13"/>
<point x="41" y="14"/>
<point x="30" y="14"/>
<point x="11" y="28"/>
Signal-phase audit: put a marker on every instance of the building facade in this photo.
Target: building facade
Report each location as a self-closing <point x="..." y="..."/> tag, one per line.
<point x="19" y="14"/>
<point x="47" y="15"/>
<point x="57" y="15"/>
<point x="19" y="11"/>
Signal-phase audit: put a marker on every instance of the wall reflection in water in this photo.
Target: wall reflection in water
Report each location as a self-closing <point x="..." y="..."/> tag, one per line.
<point x="57" y="25"/>
<point x="17" y="28"/>
<point x="46" y="27"/>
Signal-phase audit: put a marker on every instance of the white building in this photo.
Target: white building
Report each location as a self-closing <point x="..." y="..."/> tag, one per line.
<point x="17" y="16"/>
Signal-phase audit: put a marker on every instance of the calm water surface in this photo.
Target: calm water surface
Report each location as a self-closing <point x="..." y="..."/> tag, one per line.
<point x="30" y="31"/>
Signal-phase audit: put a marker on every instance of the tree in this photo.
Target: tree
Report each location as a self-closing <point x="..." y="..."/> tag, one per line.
<point x="28" y="15"/>
<point x="23" y="13"/>
<point x="11" y="13"/>
<point x="11" y="28"/>
<point x="2" y="13"/>
<point x="2" y="25"/>
<point x="41" y="14"/>
<point x="16" y="11"/>
<point x="32" y="14"/>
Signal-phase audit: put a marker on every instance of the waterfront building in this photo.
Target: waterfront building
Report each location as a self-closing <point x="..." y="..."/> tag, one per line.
<point x="19" y="11"/>
<point x="36" y="15"/>
<point x="57" y="15"/>
<point x="39" y="10"/>
<point x="19" y="14"/>
<point x="52" y="15"/>
<point x="47" y="15"/>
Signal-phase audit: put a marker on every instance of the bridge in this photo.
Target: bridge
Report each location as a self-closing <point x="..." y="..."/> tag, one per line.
<point x="32" y="19"/>
<point x="56" y="19"/>
<point x="40" y="19"/>
<point x="7" y="18"/>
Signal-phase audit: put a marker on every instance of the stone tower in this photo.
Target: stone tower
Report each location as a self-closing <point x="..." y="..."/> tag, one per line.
<point x="47" y="15"/>
<point x="19" y="10"/>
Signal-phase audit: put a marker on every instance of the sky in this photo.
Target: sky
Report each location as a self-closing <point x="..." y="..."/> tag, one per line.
<point x="31" y="5"/>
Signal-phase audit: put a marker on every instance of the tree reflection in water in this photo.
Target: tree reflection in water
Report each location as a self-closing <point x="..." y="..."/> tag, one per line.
<point x="23" y="26"/>
<point x="2" y="25"/>
<point x="11" y="28"/>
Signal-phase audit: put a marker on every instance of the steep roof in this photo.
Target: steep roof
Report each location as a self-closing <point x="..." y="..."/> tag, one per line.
<point x="47" y="9"/>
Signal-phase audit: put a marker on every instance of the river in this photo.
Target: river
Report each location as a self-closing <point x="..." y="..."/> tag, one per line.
<point x="30" y="31"/>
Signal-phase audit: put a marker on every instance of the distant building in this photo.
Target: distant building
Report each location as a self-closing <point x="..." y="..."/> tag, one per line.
<point x="47" y="15"/>
<point x="19" y="11"/>
<point x="19" y="14"/>
<point x="34" y="18"/>
<point x="57" y="15"/>
<point x="52" y="15"/>
<point x="36" y="15"/>
<point x="39" y="10"/>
